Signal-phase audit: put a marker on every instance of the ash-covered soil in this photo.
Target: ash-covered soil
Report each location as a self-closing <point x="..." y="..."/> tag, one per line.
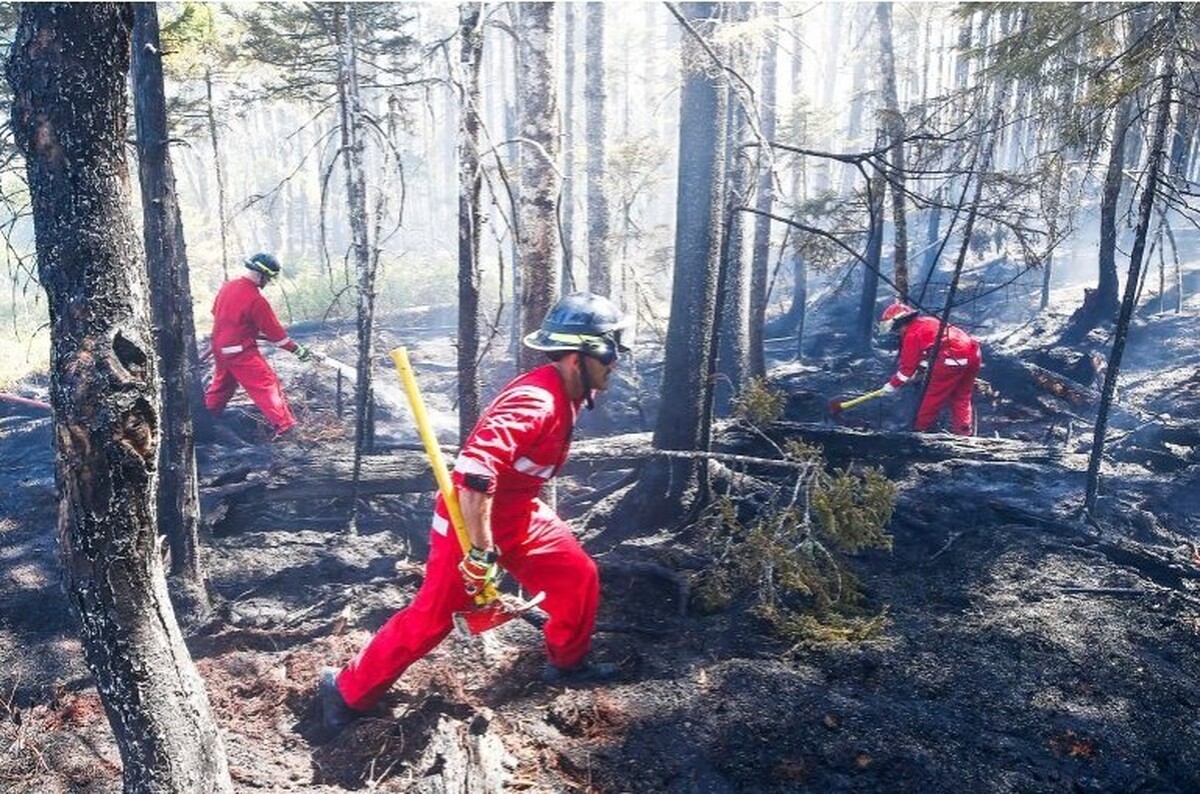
<point x="1025" y="649"/>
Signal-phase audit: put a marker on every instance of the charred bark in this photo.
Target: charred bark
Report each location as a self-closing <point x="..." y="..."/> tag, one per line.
<point x="537" y="230"/>
<point x="764" y="200"/>
<point x="733" y="351"/>
<point x="894" y="124"/>
<point x="175" y="337"/>
<point x="210" y="112"/>
<point x="469" y="185"/>
<point x="1145" y="213"/>
<point x="689" y="347"/>
<point x="567" y="274"/>
<point x="1100" y="305"/>
<point x="68" y="68"/>
<point x="599" y="252"/>
<point x="864" y="330"/>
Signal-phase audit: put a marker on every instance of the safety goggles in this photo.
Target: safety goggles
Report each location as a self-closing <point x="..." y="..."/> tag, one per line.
<point x="611" y="350"/>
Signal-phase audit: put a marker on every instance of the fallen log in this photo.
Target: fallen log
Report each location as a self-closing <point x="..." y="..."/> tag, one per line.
<point x="25" y="402"/>
<point x="843" y="446"/>
<point x="237" y="496"/>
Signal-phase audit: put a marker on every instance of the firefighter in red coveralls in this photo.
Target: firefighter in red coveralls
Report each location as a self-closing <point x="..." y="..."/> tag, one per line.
<point x="240" y="316"/>
<point x="518" y="444"/>
<point x="953" y="376"/>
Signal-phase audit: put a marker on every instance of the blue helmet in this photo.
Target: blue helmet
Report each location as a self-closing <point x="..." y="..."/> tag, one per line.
<point x="582" y="322"/>
<point x="265" y="264"/>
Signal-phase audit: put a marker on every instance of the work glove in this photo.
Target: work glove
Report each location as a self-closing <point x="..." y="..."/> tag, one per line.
<point x="303" y="352"/>
<point x="887" y="388"/>
<point x="480" y="572"/>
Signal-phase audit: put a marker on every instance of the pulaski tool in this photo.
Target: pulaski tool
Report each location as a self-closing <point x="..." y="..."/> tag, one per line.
<point x="837" y="406"/>
<point x="492" y="608"/>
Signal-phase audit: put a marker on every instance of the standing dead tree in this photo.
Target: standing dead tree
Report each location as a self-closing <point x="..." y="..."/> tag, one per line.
<point x="68" y="69"/>
<point x="537" y="231"/>
<point x="470" y="180"/>
<point x="1145" y="214"/>
<point x="170" y="285"/>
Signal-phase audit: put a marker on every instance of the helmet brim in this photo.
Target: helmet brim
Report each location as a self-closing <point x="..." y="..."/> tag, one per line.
<point x="540" y="340"/>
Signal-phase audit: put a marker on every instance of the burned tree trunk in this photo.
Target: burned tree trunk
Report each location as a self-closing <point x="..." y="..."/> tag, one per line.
<point x="865" y="324"/>
<point x="353" y="134"/>
<point x="733" y="349"/>
<point x="210" y="113"/>
<point x="67" y="69"/>
<point x="1145" y="211"/>
<point x="538" y="228"/>
<point x="599" y="254"/>
<point x="764" y="200"/>
<point x="894" y="124"/>
<point x="171" y="291"/>
<point x="567" y="274"/>
<point x="689" y="349"/>
<point x="469" y="181"/>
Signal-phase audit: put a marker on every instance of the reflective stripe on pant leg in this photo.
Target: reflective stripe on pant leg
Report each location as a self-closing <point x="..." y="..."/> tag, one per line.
<point x="549" y="558"/>
<point x="410" y="633"/>
<point x="262" y="384"/>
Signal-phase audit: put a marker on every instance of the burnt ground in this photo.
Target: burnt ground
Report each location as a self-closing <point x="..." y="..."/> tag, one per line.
<point x="1025" y="650"/>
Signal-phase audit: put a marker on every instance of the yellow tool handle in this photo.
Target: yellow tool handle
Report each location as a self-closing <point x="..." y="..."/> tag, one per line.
<point x="432" y="450"/>
<point x="871" y="395"/>
<point x="488" y="593"/>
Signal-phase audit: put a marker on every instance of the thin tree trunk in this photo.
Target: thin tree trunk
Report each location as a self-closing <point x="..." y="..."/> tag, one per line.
<point x="1052" y="210"/>
<point x="733" y="349"/>
<point x="170" y="287"/>
<point x="469" y="185"/>
<point x="799" y="263"/>
<point x="865" y="327"/>
<point x="69" y="120"/>
<point x="1145" y="211"/>
<point x="353" y="134"/>
<point x="538" y="227"/>
<point x="214" y="137"/>
<point x="1106" y="287"/>
<point x="599" y="253"/>
<point x="567" y="277"/>
<point x="353" y="145"/>
<point x="699" y="206"/>
<point x="894" y="124"/>
<point x="765" y="198"/>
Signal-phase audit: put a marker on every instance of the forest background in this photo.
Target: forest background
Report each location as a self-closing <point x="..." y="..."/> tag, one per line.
<point x="745" y="165"/>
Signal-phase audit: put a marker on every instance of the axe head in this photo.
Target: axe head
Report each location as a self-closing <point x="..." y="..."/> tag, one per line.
<point x="492" y="614"/>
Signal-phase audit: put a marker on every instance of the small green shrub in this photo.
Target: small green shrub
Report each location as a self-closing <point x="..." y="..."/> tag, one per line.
<point x="758" y="403"/>
<point x="788" y="555"/>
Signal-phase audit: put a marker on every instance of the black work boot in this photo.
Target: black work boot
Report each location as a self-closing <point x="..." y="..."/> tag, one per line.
<point x="335" y="714"/>
<point x="582" y="674"/>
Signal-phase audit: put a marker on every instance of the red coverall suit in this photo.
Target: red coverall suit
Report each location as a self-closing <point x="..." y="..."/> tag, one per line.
<point x="952" y="378"/>
<point x="240" y="315"/>
<point x="519" y="443"/>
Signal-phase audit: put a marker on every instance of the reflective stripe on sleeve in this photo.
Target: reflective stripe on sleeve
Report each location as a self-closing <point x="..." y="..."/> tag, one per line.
<point x="527" y="466"/>
<point x="230" y="350"/>
<point x="467" y="465"/>
<point x="900" y="376"/>
<point x="441" y="524"/>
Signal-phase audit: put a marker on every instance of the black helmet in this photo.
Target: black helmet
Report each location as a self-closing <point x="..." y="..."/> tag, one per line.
<point x="583" y="322"/>
<point x="264" y="264"/>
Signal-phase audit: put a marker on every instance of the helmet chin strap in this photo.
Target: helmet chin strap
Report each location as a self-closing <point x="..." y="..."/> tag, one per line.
<point x="585" y="380"/>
